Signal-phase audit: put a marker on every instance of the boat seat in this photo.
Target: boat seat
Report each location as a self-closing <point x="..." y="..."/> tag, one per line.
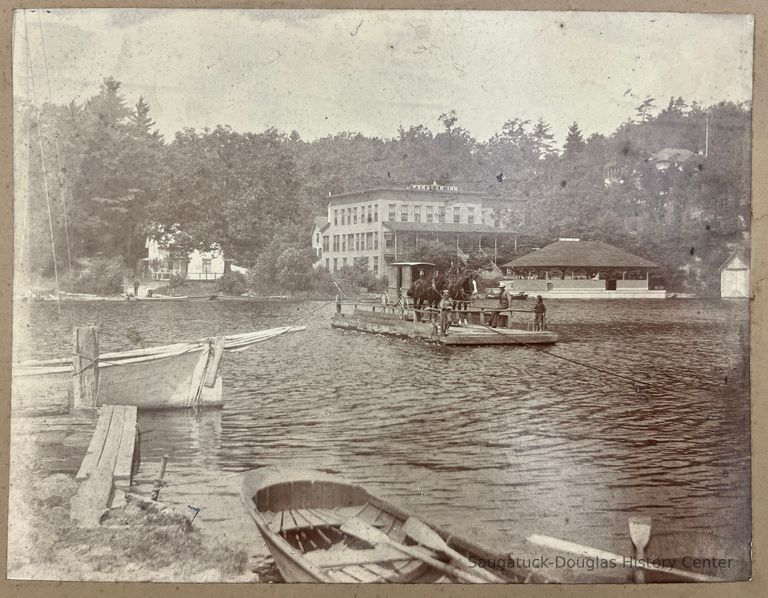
<point x="329" y="559"/>
<point x="291" y="519"/>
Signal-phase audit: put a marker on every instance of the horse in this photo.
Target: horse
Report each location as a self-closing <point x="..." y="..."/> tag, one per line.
<point x="426" y="291"/>
<point x="461" y="289"/>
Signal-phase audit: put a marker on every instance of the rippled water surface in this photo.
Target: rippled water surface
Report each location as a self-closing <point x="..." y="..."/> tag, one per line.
<point x="492" y="442"/>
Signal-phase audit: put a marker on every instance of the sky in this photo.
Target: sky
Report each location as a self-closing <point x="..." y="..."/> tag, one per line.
<point x="323" y="72"/>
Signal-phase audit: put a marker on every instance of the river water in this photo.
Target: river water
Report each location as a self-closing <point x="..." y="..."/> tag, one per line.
<point x="495" y="443"/>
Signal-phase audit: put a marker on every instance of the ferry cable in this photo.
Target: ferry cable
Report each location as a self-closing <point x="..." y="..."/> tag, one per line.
<point x="596" y="368"/>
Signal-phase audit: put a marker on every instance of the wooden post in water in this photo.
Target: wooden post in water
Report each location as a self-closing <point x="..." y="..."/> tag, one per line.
<point x="86" y="364"/>
<point x="159" y="480"/>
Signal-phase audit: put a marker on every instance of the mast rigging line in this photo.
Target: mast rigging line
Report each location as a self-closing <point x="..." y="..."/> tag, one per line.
<point x="55" y="142"/>
<point x="42" y="163"/>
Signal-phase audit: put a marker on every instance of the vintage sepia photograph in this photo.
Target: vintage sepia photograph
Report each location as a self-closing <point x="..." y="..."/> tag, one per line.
<point x="381" y="296"/>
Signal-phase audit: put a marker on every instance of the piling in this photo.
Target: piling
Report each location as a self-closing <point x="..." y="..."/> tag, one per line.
<point x="159" y="480"/>
<point x="86" y="367"/>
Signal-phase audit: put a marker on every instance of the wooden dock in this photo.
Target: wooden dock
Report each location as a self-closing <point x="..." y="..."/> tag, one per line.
<point x="382" y="322"/>
<point x="108" y="464"/>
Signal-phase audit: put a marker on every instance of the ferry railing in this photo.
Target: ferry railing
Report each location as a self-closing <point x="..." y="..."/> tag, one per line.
<point x="475" y="315"/>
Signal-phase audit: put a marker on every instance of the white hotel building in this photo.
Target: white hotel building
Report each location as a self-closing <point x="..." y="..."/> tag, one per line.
<point x="377" y="224"/>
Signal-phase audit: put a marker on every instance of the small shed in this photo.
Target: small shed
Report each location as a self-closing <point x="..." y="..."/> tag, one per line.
<point x="734" y="278"/>
<point x="403" y="274"/>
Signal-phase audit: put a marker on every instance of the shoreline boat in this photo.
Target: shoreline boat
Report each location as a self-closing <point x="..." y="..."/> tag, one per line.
<point x="178" y="375"/>
<point x="320" y="528"/>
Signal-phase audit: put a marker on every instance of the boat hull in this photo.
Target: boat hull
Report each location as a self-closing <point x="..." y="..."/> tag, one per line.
<point x="166" y="377"/>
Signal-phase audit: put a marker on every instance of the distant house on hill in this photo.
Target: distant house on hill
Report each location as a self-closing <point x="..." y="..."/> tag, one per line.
<point x="160" y="264"/>
<point x="670" y="158"/>
<point x="575" y="269"/>
<point x="734" y="278"/>
<point x="320" y="225"/>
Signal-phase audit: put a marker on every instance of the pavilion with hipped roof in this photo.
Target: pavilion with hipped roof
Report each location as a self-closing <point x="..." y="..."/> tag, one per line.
<point x="572" y="269"/>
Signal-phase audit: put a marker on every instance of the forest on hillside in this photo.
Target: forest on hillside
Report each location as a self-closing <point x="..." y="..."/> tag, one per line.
<point x="102" y="178"/>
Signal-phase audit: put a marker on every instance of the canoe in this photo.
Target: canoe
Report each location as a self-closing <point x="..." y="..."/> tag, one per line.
<point x="304" y="517"/>
<point x="169" y="376"/>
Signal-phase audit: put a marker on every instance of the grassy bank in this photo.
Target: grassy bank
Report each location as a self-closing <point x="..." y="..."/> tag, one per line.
<point x="131" y="544"/>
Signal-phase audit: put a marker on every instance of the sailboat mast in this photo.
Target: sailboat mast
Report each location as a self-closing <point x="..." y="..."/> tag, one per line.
<point x="42" y="164"/>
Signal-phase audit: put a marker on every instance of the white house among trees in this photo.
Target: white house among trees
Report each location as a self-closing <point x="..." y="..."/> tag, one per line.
<point x="196" y="265"/>
<point x="734" y="278"/>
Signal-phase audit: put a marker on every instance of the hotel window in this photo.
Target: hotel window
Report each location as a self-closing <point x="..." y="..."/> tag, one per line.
<point x="349" y="215"/>
<point x="456" y="214"/>
<point x="327" y="263"/>
<point x="404" y="213"/>
<point x="357" y="242"/>
<point x="335" y="242"/>
<point x="370" y="214"/>
<point x="441" y="214"/>
<point x="392" y="208"/>
<point x="471" y="215"/>
<point x="343" y="242"/>
<point x="325" y="243"/>
<point x="335" y="218"/>
<point x="388" y="241"/>
<point x="317" y="238"/>
<point x="343" y="262"/>
<point x="376" y="213"/>
<point x="376" y="240"/>
<point x="342" y="217"/>
<point x="376" y="265"/>
<point x="429" y="213"/>
<point x="335" y="264"/>
<point x="354" y="216"/>
<point x="417" y="213"/>
<point x="351" y="241"/>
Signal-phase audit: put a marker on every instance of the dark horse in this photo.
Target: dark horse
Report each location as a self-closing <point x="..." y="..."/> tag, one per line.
<point x="426" y="292"/>
<point x="461" y="289"/>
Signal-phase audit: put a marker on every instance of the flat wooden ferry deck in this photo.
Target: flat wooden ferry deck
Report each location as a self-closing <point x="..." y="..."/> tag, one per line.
<point x="388" y="320"/>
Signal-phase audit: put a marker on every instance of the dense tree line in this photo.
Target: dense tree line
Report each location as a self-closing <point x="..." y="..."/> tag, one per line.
<point x="111" y="179"/>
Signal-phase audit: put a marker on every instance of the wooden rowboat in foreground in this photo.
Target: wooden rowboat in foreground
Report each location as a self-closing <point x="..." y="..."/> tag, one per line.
<point x="320" y="528"/>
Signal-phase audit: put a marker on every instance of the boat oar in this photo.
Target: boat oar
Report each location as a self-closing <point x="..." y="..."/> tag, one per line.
<point x="426" y="536"/>
<point x="581" y="550"/>
<point x="640" y="533"/>
<point x="358" y="528"/>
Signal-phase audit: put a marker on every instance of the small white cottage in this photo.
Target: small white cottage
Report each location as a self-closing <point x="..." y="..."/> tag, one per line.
<point x="734" y="278"/>
<point x="206" y="265"/>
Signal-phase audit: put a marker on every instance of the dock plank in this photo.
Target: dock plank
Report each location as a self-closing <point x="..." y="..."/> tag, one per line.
<point x="96" y="446"/>
<point x="89" y="504"/>
<point x="112" y="443"/>
<point x="125" y="452"/>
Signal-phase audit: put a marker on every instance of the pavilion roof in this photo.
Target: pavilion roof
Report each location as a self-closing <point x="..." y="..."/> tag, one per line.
<point x="580" y="254"/>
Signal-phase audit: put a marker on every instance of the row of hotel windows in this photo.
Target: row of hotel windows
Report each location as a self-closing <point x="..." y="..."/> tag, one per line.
<point x="351" y="242"/>
<point x="349" y="215"/>
<point x="365" y="260"/>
